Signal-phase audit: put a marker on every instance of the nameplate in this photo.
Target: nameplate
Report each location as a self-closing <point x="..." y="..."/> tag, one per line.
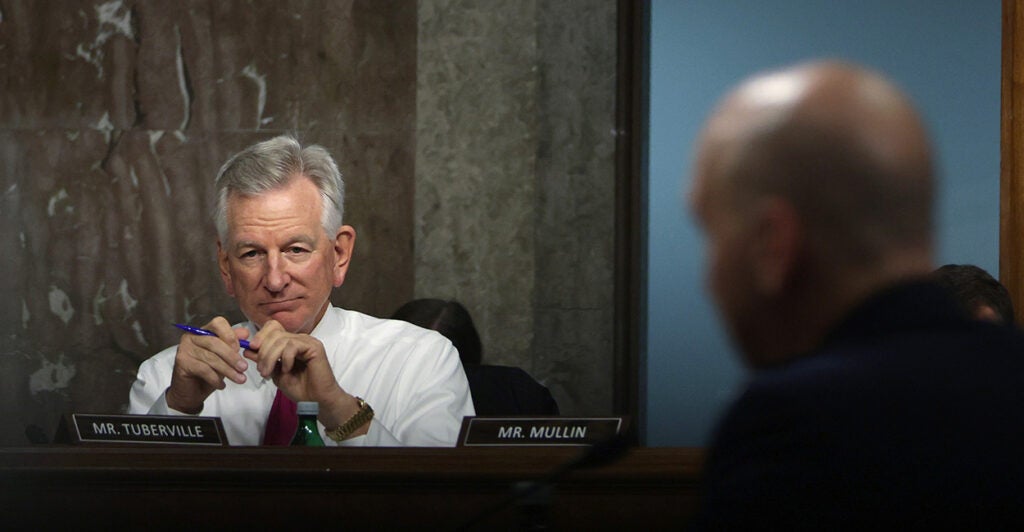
<point x="537" y="431"/>
<point x="137" y="429"/>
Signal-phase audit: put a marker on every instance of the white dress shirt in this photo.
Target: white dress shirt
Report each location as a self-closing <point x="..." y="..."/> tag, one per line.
<point x="411" y="377"/>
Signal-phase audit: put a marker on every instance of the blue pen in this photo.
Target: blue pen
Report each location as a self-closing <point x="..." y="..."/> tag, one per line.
<point x="204" y="332"/>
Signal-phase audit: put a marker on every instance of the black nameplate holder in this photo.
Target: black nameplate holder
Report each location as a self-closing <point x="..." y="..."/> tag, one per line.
<point x="550" y="431"/>
<point x="85" y="429"/>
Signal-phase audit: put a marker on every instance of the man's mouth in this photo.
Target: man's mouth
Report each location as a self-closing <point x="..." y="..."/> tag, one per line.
<point x="279" y="304"/>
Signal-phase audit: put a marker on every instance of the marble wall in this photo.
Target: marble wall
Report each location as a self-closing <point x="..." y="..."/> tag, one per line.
<point x="475" y="137"/>
<point x="515" y="183"/>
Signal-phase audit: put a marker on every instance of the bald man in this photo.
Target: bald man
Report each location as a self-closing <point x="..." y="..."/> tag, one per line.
<point x="874" y="400"/>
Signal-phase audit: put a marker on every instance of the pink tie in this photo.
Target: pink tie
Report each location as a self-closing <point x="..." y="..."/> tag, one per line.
<point x="282" y="421"/>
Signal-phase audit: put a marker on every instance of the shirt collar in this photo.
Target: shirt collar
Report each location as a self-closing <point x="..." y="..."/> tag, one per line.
<point x="912" y="305"/>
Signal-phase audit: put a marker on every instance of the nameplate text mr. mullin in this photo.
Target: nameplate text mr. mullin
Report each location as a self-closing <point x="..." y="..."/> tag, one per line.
<point x="496" y="431"/>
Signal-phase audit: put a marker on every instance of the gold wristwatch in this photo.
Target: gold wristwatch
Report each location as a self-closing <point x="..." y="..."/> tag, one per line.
<point x="343" y="431"/>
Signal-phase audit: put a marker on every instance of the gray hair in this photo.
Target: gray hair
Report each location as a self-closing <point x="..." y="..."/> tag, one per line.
<point x="272" y="164"/>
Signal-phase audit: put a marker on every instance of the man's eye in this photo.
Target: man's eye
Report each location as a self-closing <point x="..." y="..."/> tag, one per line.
<point x="296" y="250"/>
<point x="249" y="254"/>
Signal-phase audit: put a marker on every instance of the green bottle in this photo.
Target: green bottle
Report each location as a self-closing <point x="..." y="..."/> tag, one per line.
<point x="308" y="434"/>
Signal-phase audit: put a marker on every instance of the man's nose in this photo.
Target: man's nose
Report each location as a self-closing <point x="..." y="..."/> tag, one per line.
<point x="277" y="273"/>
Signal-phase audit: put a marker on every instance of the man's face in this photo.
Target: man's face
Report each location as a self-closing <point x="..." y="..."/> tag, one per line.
<point x="730" y="278"/>
<point x="277" y="261"/>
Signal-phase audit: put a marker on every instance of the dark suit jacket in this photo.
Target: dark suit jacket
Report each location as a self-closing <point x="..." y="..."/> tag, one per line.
<point x="909" y="415"/>
<point x="508" y="391"/>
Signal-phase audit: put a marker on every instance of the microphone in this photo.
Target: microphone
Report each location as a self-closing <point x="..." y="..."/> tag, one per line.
<point x="36" y="435"/>
<point x="601" y="453"/>
<point x="537" y="493"/>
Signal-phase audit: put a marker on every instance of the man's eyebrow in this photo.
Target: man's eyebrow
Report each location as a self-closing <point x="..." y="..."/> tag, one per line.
<point x="245" y="244"/>
<point x="302" y="239"/>
<point x="296" y="239"/>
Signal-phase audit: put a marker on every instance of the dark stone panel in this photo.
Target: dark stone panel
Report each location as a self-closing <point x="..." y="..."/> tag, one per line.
<point x="111" y="244"/>
<point x="114" y="119"/>
<point x="66" y="64"/>
<point x="379" y="205"/>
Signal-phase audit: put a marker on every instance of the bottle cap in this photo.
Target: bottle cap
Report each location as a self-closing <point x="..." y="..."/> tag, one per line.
<point x="308" y="408"/>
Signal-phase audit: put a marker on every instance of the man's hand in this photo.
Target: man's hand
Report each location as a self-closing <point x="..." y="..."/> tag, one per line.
<point x="298" y="365"/>
<point x="202" y="363"/>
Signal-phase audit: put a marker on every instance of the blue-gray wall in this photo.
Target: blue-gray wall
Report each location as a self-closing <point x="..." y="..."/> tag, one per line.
<point x="946" y="54"/>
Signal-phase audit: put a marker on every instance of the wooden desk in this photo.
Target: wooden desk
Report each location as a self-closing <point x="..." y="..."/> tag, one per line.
<point x="173" y="487"/>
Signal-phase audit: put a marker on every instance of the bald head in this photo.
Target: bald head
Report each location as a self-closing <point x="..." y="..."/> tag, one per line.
<point x="841" y="143"/>
<point x="814" y="185"/>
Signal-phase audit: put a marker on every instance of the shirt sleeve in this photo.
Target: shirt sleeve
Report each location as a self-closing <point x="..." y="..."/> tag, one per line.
<point x="148" y="392"/>
<point x="426" y="403"/>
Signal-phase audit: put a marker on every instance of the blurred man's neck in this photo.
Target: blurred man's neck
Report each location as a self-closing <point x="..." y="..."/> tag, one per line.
<point x="819" y="304"/>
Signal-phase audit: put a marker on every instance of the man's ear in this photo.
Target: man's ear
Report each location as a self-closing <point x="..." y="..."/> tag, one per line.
<point x="225" y="271"/>
<point x="344" y="243"/>
<point x="778" y="245"/>
<point x="987" y="313"/>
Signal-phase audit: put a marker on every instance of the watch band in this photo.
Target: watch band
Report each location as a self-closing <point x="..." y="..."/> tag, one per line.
<point x="360" y="418"/>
